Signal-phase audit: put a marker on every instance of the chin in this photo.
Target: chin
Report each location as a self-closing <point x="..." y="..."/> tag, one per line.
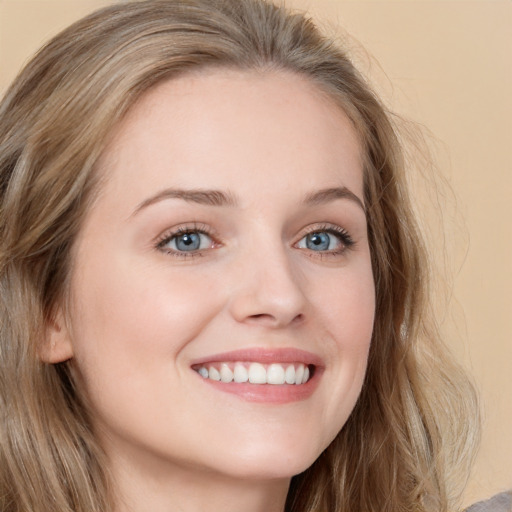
<point x="270" y="461"/>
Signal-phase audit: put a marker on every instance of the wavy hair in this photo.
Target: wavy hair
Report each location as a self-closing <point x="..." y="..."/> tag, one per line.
<point x="415" y="418"/>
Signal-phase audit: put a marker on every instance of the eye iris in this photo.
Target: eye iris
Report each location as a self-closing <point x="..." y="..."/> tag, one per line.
<point x="188" y="242"/>
<point x="318" y="241"/>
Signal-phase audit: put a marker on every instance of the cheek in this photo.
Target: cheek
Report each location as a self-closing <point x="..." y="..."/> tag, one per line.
<point x="348" y="307"/>
<point x="346" y="313"/>
<point x="130" y="326"/>
<point x="128" y="315"/>
<point x="353" y="324"/>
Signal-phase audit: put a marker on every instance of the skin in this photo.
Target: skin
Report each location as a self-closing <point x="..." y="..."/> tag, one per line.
<point x="140" y="314"/>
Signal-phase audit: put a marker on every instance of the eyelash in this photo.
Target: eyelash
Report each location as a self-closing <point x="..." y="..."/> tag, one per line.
<point x="168" y="236"/>
<point x="342" y="234"/>
<point x="347" y="242"/>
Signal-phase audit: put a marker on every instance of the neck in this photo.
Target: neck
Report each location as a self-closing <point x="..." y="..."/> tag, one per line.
<point x="164" y="487"/>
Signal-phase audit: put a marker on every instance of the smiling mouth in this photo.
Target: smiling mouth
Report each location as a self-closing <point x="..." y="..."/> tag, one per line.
<point x="275" y="374"/>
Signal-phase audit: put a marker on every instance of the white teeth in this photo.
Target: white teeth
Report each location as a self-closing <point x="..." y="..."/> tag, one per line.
<point x="240" y="374"/>
<point x="299" y="373"/>
<point x="275" y="374"/>
<point x="305" y="377"/>
<point x="289" y="375"/>
<point x="213" y="373"/>
<point x="257" y="373"/>
<point x="226" y="375"/>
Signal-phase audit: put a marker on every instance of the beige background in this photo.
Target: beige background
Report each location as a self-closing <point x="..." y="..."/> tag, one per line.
<point x="447" y="65"/>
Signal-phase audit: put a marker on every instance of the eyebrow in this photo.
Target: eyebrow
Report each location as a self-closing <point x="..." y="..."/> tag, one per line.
<point x="327" y="195"/>
<point x="220" y="198"/>
<point x="199" y="196"/>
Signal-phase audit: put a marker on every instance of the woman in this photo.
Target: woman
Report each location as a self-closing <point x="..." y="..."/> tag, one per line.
<point x="213" y="288"/>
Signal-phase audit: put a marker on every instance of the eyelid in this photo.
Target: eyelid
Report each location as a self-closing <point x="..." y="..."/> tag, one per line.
<point x="343" y="234"/>
<point x="193" y="227"/>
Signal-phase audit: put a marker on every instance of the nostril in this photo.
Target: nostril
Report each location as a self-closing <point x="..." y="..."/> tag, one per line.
<point x="263" y="318"/>
<point x="298" y="318"/>
<point x="275" y="321"/>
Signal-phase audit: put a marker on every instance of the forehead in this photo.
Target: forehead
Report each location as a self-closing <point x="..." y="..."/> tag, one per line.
<point x="215" y="125"/>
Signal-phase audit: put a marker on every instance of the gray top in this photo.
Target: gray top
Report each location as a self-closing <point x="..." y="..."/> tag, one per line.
<point x="500" y="503"/>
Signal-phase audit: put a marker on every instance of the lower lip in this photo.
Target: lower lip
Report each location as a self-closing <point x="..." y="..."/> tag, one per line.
<point x="268" y="393"/>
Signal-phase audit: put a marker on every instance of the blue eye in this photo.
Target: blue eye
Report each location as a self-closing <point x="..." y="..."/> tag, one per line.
<point x="330" y="240"/>
<point x="319" y="241"/>
<point x="187" y="241"/>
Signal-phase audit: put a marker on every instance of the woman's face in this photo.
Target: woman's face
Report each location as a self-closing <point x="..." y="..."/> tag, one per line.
<point x="228" y="241"/>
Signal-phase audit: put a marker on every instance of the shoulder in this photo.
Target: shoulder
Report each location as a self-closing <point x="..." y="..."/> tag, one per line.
<point x="500" y="503"/>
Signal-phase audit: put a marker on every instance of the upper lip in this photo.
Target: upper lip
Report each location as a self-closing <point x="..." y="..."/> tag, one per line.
<point x="264" y="355"/>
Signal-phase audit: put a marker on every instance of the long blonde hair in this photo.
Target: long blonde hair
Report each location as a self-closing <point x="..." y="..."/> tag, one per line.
<point x="415" y="419"/>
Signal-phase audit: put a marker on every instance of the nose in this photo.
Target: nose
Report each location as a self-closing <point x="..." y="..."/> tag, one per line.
<point x="268" y="291"/>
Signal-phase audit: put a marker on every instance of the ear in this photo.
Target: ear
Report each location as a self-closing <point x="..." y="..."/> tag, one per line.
<point x="57" y="346"/>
